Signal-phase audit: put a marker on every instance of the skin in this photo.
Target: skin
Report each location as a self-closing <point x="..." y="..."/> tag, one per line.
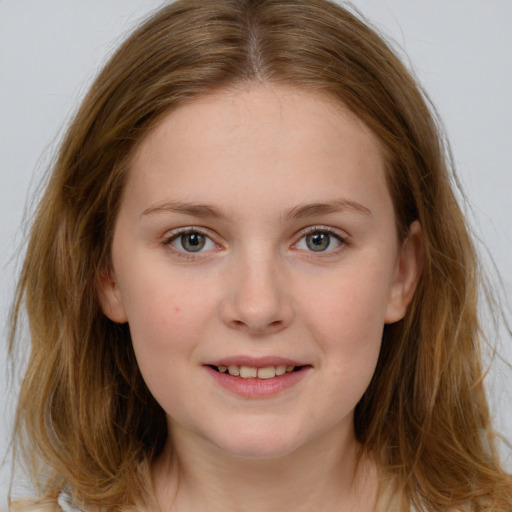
<point x="258" y="157"/>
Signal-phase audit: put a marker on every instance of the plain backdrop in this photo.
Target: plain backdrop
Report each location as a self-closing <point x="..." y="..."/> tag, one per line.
<point x="460" y="50"/>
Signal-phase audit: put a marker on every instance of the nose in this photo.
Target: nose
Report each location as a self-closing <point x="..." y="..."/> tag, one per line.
<point x="257" y="299"/>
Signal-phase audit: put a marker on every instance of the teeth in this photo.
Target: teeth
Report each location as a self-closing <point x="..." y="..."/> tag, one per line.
<point x="233" y="370"/>
<point x="250" y="372"/>
<point x="281" y="369"/>
<point x="267" y="373"/>
<point x="247" y="372"/>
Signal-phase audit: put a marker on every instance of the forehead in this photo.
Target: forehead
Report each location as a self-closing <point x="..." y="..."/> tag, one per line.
<point x="257" y="138"/>
<point x="261" y="110"/>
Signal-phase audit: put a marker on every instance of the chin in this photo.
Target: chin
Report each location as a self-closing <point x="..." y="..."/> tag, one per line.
<point x="259" y="443"/>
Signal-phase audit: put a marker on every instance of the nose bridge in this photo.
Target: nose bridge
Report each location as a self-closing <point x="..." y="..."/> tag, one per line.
<point x="256" y="299"/>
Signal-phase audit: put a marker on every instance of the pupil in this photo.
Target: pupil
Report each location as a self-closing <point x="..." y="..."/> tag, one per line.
<point x="193" y="242"/>
<point x="318" y="241"/>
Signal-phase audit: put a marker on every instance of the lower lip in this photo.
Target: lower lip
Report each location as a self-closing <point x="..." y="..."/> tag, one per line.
<point x="258" y="388"/>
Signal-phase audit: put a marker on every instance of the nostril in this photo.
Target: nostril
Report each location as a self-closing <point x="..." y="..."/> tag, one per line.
<point x="272" y="325"/>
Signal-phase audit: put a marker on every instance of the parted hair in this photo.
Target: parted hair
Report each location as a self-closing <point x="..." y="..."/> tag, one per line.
<point x="86" y="420"/>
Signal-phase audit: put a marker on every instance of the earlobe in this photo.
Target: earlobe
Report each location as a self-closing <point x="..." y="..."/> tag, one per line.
<point x="110" y="297"/>
<point x="408" y="273"/>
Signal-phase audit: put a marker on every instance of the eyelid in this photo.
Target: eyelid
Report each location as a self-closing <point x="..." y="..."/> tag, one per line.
<point x="342" y="235"/>
<point x="174" y="233"/>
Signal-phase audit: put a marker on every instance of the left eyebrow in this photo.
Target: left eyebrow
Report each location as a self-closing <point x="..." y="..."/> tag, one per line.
<point x="310" y="210"/>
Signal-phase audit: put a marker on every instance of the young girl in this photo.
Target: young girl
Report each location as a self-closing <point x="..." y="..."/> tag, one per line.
<point x="249" y="284"/>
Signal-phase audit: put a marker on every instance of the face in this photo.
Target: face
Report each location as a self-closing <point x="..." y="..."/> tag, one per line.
<point x="256" y="260"/>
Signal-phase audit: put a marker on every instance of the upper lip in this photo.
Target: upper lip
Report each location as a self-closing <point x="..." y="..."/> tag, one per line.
<point x="255" y="362"/>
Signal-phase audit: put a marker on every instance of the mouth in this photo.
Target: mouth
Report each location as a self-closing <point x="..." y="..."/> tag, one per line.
<point x="253" y="372"/>
<point x="257" y="378"/>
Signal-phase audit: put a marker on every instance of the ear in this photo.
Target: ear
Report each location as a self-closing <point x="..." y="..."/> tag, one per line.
<point x="110" y="298"/>
<point x="408" y="272"/>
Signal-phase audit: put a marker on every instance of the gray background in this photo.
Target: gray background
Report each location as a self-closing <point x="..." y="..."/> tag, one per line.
<point x="460" y="49"/>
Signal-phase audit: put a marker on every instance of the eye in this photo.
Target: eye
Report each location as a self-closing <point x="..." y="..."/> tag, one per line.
<point x="320" y="240"/>
<point x="191" y="241"/>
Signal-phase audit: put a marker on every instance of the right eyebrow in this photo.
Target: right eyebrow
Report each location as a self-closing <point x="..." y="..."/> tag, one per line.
<point x="192" y="209"/>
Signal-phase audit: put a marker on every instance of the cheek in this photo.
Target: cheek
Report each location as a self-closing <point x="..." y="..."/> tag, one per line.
<point x="346" y="316"/>
<point x="166" y="317"/>
<point x="349" y="310"/>
<point x="165" y="329"/>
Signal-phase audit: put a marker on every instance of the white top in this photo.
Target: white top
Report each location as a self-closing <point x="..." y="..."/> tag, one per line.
<point x="66" y="504"/>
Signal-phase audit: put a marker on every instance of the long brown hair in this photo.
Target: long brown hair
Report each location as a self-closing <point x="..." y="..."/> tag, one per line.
<point x="85" y="418"/>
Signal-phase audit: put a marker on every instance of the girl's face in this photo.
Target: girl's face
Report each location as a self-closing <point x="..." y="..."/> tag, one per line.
<point x="256" y="235"/>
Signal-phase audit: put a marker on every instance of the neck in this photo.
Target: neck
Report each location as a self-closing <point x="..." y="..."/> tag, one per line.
<point x="321" y="475"/>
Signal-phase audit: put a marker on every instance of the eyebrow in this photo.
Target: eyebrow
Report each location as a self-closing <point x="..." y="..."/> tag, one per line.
<point x="297" y="212"/>
<point x="193" y="209"/>
<point x="313" y="209"/>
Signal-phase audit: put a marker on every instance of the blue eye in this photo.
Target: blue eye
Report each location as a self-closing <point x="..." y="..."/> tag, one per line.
<point x="191" y="241"/>
<point x="320" y="240"/>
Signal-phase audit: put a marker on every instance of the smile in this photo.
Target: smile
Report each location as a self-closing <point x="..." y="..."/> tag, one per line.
<point x="257" y="379"/>
<point x="252" y="372"/>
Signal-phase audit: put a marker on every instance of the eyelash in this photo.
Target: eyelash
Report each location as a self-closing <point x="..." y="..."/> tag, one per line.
<point x="175" y="235"/>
